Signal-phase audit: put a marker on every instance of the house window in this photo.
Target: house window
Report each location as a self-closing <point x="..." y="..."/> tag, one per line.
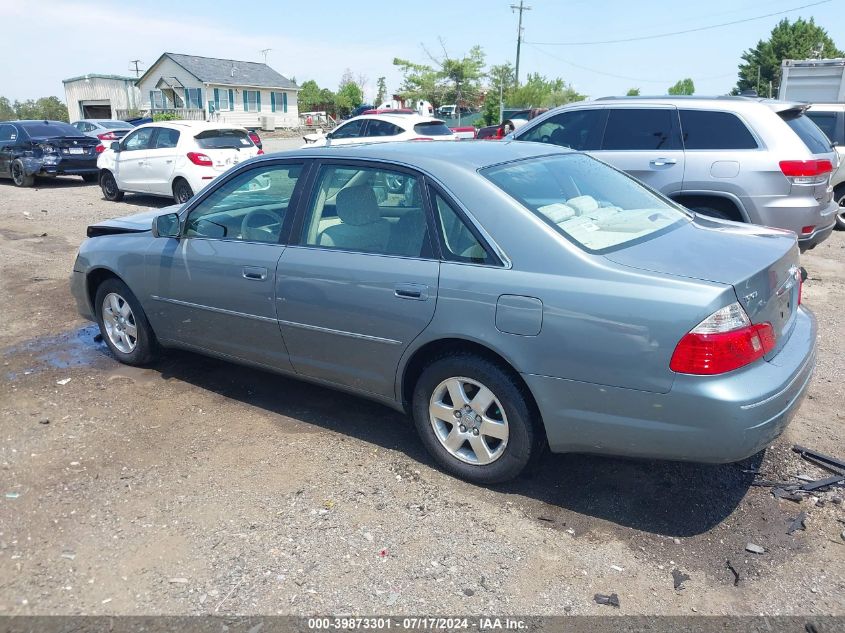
<point x="279" y="101"/>
<point x="252" y="101"/>
<point x="193" y="98"/>
<point x="223" y="101"/>
<point x="157" y="100"/>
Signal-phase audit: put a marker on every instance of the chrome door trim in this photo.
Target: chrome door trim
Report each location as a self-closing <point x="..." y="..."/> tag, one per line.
<point x="213" y="309"/>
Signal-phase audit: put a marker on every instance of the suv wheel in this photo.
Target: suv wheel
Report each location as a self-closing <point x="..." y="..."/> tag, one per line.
<point x="475" y="420"/>
<point x="839" y="196"/>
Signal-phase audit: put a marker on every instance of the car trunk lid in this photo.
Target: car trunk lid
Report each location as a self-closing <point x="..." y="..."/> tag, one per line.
<point x="760" y="263"/>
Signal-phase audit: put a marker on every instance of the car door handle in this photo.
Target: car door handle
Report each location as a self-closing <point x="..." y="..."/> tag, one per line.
<point x="662" y="162"/>
<point x="255" y="273"/>
<point x="168" y="161"/>
<point x="418" y="292"/>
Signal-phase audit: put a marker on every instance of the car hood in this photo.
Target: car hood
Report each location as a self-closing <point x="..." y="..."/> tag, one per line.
<point x="760" y="263"/>
<point x="135" y="223"/>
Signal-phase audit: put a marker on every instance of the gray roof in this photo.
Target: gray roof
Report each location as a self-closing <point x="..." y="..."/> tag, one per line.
<point x="219" y="71"/>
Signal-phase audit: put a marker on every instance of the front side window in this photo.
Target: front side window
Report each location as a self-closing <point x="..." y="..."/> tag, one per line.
<point x="588" y="202"/>
<point x="8" y="133"/>
<point x="252" y="206"/>
<point x="350" y="130"/>
<point x="458" y="241"/>
<point x="579" y="130"/>
<point x="640" y="129"/>
<point x="705" y="129"/>
<point x="139" y="139"/>
<point x="367" y="210"/>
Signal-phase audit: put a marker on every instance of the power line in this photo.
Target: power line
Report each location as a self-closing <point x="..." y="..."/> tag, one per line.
<point x="519" y="7"/>
<point x="695" y="30"/>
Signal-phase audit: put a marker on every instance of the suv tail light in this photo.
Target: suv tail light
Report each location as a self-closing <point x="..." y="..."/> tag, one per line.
<point x="806" y="172"/>
<point x="108" y="136"/>
<point x="199" y="159"/>
<point x="724" y="341"/>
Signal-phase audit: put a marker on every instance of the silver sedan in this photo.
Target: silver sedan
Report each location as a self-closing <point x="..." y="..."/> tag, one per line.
<point x="508" y="296"/>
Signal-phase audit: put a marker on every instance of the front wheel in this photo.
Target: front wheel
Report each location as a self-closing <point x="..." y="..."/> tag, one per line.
<point x="123" y="324"/>
<point x="109" y="186"/>
<point x="182" y="191"/>
<point x="475" y="419"/>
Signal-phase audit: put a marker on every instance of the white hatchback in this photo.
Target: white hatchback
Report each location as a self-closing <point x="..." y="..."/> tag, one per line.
<point x="383" y="128"/>
<point x="174" y="159"/>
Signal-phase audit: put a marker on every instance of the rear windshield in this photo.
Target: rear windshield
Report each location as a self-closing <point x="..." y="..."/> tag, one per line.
<point x="51" y="129"/>
<point x="586" y="201"/>
<point x="223" y="139"/>
<point x="115" y="125"/>
<point x="433" y="128"/>
<point x="807" y="131"/>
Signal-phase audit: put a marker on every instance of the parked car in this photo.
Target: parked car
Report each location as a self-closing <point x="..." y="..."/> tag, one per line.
<point x="737" y="158"/>
<point x="45" y="148"/>
<point x="139" y="121"/>
<point x="253" y="136"/>
<point x="104" y="130"/>
<point x="174" y="159"/>
<point x="383" y="128"/>
<point x="830" y="117"/>
<point x="361" y="109"/>
<point x="508" y="296"/>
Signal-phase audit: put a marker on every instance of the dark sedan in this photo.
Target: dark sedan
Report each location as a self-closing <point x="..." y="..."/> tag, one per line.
<point x="45" y="148"/>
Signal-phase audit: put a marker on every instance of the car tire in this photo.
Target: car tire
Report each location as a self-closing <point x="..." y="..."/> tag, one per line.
<point x="109" y="186"/>
<point x="182" y="191"/>
<point x="19" y="175"/>
<point x="485" y="445"/>
<point x="90" y="177"/>
<point x="123" y="324"/>
<point x="839" y="196"/>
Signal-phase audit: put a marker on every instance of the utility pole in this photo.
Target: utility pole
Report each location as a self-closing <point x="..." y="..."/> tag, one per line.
<point x="137" y="69"/>
<point x="519" y="7"/>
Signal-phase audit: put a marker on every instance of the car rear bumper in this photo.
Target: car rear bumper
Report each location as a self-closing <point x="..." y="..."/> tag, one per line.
<point x="72" y="167"/>
<point x="794" y="213"/>
<point x="714" y="419"/>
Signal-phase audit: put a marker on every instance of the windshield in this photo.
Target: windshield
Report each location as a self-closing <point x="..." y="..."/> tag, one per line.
<point x="223" y="139"/>
<point x="50" y="129"/>
<point x="588" y="202"/>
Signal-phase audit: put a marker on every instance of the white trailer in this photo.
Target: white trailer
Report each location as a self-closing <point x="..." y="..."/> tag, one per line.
<point x="813" y="80"/>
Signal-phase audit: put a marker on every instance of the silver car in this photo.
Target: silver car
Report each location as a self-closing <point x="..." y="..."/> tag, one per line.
<point x="106" y="130"/>
<point x="510" y="296"/>
<point x="749" y="160"/>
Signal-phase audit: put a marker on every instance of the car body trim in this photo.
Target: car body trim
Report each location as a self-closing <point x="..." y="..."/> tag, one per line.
<point x="317" y="328"/>
<point x="213" y="309"/>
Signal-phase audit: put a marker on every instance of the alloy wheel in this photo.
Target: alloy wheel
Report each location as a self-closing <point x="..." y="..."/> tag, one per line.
<point x="119" y="322"/>
<point x="468" y="420"/>
<point x="17" y="174"/>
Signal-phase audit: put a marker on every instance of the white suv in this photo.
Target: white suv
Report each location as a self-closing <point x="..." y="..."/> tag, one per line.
<point x="174" y="159"/>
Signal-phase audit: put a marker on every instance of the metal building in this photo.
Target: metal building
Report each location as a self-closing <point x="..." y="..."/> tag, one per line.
<point x="100" y="96"/>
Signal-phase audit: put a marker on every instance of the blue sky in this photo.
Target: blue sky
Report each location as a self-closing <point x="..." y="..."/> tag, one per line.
<point x="57" y="39"/>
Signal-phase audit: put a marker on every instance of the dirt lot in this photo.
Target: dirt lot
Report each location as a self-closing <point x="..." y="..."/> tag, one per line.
<point x="196" y="486"/>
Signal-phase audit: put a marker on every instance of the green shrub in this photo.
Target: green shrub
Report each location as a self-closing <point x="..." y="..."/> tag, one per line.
<point x="164" y="116"/>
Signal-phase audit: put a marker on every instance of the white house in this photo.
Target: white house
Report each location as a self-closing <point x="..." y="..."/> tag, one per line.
<point x="242" y="93"/>
<point x="96" y="96"/>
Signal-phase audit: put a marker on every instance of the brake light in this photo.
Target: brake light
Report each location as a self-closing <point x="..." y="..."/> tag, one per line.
<point x="724" y="341"/>
<point x="108" y="136"/>
<point x="806" y="172"/>
<point x="422" y="138"/>
<point x="260" y="152"/>
<point x="199" y="159"/>
<point x="254" y="138"/>
<point x="100" y="148"/>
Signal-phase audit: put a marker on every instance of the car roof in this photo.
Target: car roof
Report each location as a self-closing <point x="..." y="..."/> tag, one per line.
<point x="105" y="121"/>
<point x="195" y="126"/>
<point x="435" y="157"/>
<point x="728" y="102"/>
<point x="399" y="118"/>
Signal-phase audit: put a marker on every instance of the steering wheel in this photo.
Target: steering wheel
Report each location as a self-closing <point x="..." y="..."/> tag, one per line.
<point x="249" y="230"/>
<point x="545" y="138"/>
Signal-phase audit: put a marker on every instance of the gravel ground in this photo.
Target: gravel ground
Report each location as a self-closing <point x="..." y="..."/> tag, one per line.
<point x="196" y="486"/>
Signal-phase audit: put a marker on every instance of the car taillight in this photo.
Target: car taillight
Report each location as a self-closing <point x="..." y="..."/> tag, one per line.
<point x="260" y="152"/>
<point x="108" y="136"/>
<point x="254" y="138"/>
<point x="100" y="148"/>
<point x="806" y="172"/>
<point x="199" y="159"/>
<point x="422" y="138"/>
<point x="724" y="341"/>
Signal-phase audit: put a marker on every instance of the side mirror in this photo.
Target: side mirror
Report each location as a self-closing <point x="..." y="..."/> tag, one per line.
<point x="166" y="225"/>
<point x="115" y="146"/>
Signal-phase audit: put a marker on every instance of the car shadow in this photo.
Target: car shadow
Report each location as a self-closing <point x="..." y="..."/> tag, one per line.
<point x="665" y="498"/>
<point x="143" y="200"/>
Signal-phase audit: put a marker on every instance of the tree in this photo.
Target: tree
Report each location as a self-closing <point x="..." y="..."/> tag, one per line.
<point x="45" y="108"/>
<point x="683" y="87"/>
<point x="446" y="80"/>
<point x="348" y="97"/>
<point x="801" y="39"/>
<point x="540" y="92"/>
<point x="633" y="92"/>
<point x="490" y="113"/>
<point x="313" y="99"/>
<point x="7" y="112"/>
<point x="381" y="91"/>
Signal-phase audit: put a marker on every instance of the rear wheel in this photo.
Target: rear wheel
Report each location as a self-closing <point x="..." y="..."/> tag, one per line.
<point x="123" y="324"/>
<point x="475" y="419"/>
<point x="182" y="191"/>
<point x="109" y="186"/>
<point x="19" y="175"/>
<point x="839" y="196"/>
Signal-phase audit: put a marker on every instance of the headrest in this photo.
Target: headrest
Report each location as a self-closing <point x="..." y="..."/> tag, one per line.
<point x="583" y="204"/>
<point x="357" y="205"/>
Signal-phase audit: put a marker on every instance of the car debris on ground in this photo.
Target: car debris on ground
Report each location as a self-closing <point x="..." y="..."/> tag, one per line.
<point x="678" y="578"/>
<point x="755" y="549"/>
<point x="612" y="599"/>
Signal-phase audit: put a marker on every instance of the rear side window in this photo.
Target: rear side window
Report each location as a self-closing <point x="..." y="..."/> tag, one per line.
<point x="166" y="138"/>
<point x="459" y="242"/>
<point x="578" y="130"/>
<point x="807" y="131"/>
<point x="826" y="122"/>
<point x="223" y="139"/>
<point x="640" y="129"/>
<point x="382" y="128"/>
<point x="702" y="129"/>
<point x="433" y="128"/>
